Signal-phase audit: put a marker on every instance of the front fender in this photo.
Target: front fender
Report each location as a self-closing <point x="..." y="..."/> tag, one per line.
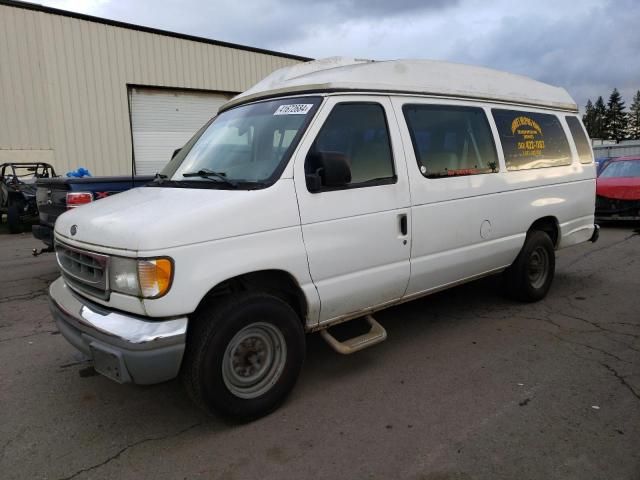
<point x="201" y="267"/>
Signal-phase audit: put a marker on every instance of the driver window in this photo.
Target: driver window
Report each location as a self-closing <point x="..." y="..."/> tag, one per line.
<point x="359" y="131"/>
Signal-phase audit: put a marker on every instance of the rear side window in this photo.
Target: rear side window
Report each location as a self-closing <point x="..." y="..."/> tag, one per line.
<point x="359" y="131"/>
<point x="450" y="141"/>
<point x="580" y="138"/>
<point x="531" y="140"/>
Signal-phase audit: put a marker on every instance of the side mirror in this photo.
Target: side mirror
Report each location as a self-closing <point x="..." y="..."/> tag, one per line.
<point x="328" y="169"/>
<point x="175" y="152"/>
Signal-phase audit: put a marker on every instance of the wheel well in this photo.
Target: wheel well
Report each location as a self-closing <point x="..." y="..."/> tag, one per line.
<point x="550" y="226"/>
<point x="275" y="282"/>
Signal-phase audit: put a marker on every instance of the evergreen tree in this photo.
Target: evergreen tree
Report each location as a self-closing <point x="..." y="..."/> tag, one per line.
<point x="589" y="119"/>
<point x="616" y="118"/>
<point x="633" y="126"/>
<point x="599" y="119"/>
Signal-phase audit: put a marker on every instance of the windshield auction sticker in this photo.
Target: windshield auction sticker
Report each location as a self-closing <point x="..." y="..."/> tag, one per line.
<point x="530" y="143"/>
<point x="294" y="109"/>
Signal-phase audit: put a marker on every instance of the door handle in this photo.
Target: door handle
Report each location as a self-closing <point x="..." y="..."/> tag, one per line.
<point x="403" y="224"/>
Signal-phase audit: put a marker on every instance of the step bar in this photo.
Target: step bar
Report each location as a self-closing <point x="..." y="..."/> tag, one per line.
<point x="375" y="335"/>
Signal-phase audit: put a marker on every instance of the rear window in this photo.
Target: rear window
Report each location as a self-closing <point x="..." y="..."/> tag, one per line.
<point x="451" y="141"/>
<point x="531" y="140"/>
<point x="580" y="138"/>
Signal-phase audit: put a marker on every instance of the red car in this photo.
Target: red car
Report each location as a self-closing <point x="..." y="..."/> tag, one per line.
<point x="618" y="190"/>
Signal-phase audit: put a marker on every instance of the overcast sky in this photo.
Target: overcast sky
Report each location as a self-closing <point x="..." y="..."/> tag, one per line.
<point x="586" y="46"/>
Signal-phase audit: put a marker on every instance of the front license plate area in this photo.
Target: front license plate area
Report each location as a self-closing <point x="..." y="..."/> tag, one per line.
<point x="108" y="364"/>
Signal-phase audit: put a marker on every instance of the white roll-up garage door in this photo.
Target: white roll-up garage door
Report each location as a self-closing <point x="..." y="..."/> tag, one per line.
<point x="163" y="120"/>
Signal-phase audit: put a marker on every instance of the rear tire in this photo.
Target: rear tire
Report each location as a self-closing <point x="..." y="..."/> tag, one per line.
<point x="243" y="355"/>
<point x="13" y="219"/>
<point x="530" y="276"/>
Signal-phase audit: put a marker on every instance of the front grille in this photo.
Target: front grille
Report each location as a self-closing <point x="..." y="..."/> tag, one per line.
<point x="84" y="270"/>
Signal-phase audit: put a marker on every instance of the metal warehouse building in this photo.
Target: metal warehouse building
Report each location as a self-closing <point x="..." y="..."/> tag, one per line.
<point x="77" y="90"/>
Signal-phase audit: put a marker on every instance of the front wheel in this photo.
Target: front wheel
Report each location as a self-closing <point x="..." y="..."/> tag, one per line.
<point x="529" y="277"/>
<point x="243" y="355"/>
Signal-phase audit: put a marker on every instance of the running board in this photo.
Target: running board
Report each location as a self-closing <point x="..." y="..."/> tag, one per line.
<point x="375" y="335"/>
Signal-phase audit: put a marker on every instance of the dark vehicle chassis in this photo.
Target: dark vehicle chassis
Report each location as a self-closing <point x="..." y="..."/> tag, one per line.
<point x="614" y="209"/>
<point x="18" y="191"/>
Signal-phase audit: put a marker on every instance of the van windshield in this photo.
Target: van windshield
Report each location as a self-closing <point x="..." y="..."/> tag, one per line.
<point x="250" y="144"/>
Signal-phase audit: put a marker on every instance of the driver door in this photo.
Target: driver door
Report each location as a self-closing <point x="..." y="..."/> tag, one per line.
<point x="357" y="237"/>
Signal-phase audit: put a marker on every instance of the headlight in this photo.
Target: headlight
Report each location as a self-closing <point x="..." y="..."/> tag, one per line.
<point x="155" y="276"/>
<point x="146" y="278"/>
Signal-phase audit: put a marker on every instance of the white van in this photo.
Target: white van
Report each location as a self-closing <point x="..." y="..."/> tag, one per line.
<point x="330" y="190"/>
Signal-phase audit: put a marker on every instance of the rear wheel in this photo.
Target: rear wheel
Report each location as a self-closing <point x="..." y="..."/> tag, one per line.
<point x="243" y="355"/>
<point x="530" y="276"/>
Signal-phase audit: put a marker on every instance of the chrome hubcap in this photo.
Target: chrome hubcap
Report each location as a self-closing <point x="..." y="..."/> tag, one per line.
<point x="538" y="267"/>
<point x="254" y="360"/>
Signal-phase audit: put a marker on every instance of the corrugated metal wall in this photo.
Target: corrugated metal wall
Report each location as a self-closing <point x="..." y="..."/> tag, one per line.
<point x="618" y="150"/>
<point x="63" y="84"/>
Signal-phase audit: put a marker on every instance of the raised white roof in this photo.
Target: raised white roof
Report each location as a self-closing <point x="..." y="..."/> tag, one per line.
<point x="429" y="77"/>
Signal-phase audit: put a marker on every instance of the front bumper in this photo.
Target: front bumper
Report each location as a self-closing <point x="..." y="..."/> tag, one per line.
<point x="126" y="348"/>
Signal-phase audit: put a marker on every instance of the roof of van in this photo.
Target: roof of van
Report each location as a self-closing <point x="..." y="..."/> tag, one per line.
<point x="427" y="77"/>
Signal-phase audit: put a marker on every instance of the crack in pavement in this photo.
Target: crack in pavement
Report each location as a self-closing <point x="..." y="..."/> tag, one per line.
<point x="28" y="335"/>
<point x="596" y="250"/>
<point x="46" y="279"/>
<point x="629" y="324"/>
<point x="4" y="447"/>
<point x="622" y="379"/>
<point x="590" y="347"/>
<point x="569" y="331"/>
<point x="598" y="326"/>
<point x="124" y="449"/>
<point x="546" y="320"/>
<point x="25" y="296"/>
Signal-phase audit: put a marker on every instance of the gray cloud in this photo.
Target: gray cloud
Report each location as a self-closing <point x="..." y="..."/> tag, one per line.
<point x="588" y="47"/>
<point x="588" y="52"/>
<point x="359" y="9"/>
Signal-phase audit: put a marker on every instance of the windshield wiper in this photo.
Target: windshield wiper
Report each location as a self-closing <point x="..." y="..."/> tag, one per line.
<point x="211" y="175"/>
<point x="161" y="180"/>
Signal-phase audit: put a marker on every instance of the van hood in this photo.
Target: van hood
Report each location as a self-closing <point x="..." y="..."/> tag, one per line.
<point x="154" y="218"/>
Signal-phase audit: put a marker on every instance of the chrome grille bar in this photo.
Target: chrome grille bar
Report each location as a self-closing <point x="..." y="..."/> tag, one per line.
<point x="84" y="270"/>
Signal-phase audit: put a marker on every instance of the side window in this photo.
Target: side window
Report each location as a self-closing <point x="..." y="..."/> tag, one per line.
<point x="531" y="140"/>
<point x="359" y="131"/>
<point x="451" y="141"/>
<point x="580" y="138"/>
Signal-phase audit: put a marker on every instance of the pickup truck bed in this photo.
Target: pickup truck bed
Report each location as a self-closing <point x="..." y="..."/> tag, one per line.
<point x="51" y="197"/>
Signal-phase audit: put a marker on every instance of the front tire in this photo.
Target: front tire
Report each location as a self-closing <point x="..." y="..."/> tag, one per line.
<point x="530" y="276"/>
<point x="243" y="355"/>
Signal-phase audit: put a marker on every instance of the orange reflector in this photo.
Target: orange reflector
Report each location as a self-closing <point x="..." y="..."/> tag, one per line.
<point x="155" y="277"/>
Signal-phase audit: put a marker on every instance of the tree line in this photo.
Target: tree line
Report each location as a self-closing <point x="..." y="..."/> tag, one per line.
<point x="611" y="121"/>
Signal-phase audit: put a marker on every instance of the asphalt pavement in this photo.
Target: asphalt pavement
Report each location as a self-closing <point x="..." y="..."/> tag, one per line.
<point x="468" y="385"/>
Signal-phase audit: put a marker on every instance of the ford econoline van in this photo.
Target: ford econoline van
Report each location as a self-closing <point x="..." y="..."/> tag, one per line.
<point x="328" y="191"/>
